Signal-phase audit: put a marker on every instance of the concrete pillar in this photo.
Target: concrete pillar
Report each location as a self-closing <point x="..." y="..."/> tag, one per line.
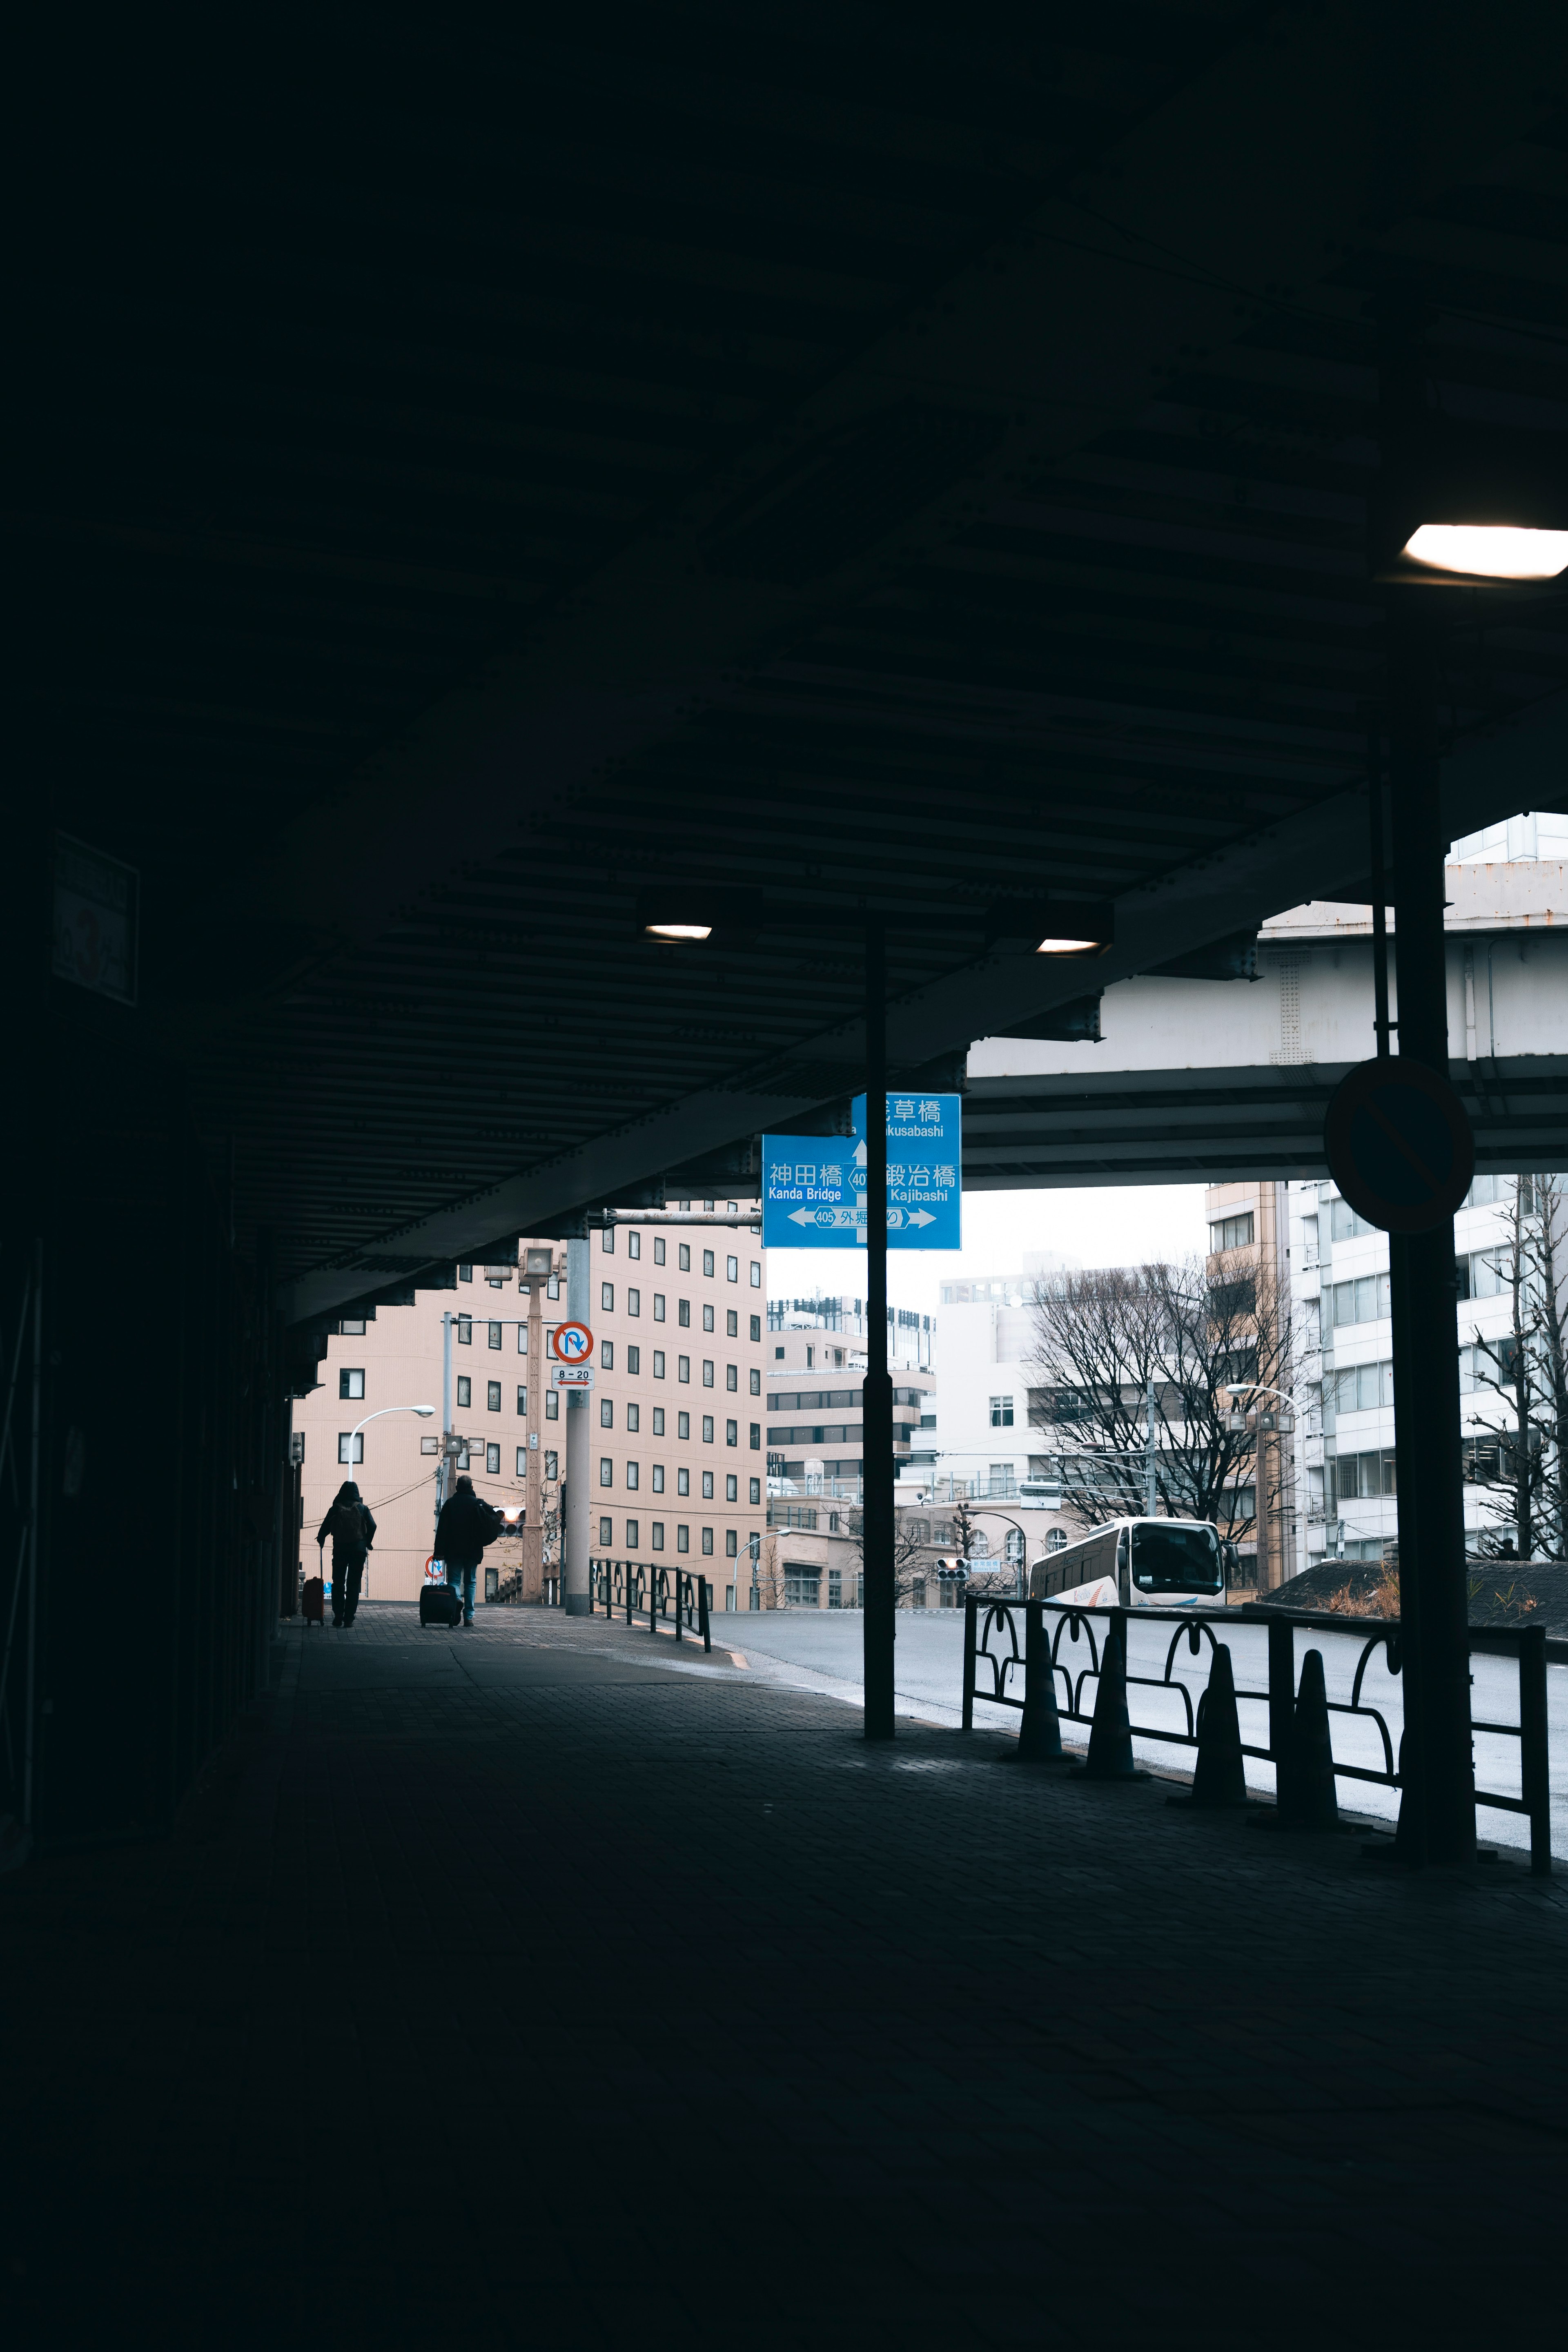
<point x="579" y="1501"/>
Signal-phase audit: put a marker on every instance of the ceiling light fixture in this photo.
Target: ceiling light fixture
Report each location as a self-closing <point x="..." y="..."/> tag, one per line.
<point x="679" y="914"/>
<point x="1479" y="551"/>
<point x="1062" y="926"/>
<point x="677" y="931"/>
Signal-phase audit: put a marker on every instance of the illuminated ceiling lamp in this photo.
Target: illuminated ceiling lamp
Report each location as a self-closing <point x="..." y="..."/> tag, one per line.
<point x="686" y="913"/>
<point x="1467" y="506"/>
<point x="1054" y="927"/>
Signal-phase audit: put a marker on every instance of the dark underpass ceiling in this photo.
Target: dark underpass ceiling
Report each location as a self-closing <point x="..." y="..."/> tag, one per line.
<point x="887" y="460"/>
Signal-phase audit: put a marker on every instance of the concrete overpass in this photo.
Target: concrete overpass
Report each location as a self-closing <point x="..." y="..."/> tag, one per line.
<point x="1224" y="1079"/>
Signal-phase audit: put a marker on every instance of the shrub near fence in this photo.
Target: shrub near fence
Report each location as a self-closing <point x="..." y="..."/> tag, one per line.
<point x="997" y="1643"/>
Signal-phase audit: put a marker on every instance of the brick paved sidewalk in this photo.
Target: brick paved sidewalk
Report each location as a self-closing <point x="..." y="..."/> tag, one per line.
<point x="506" y="1988"/>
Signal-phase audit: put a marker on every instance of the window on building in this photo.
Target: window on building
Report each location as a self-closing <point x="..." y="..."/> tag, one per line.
<point x="731" y="1324"/>
<point x="778" y="1355"/>
<point x="465" y="1389"/>
<point x="659" y="1421"/>
<point x="523" y="1403"/>
<point x="492" y="1333"/>
<point x="1365" y="1300"/>
<point x="756" y="1332"/>
<point x="756" y="1436"/>
<point x="756" y="1491"/>
<point x="707" y="1429"/>
<point x="633" y="1242"/>
<point x="607" y="1534"/>
<point x="731" y="1432"/>
<point x="682" y="1537"/>
<point x="523" y="1339"/>
<point x="658" y="1249"/>
<point x="465" y="1330"/>
<point x="353" y="1326"/>
<point x="803" y="1585"/>
<point x="731" y="1376"/>
<point x="350" y="1446"/>
<point x="606" y="1412"/>
<point x="632" y="1477"/>
<point x="658" y="1307"/>
<point x="754" y="1381"/>
<point x="683" y="1368"/>
<point x="655" y="1535"/>
<point x="492" y="1461"/>
<point x="607" y="1240"/>
<point x="521" y="1471"/>
<point x="707" y="1371"/>
<point x="493" y="1396"/>
<point x="1360" y="1476"/>
<point x="632" y="1537"/>
<point x="707" y="1485"/>
<point x="683" y="1313"/>
<point x="607" y="1471"/>
<point x="463" y="1461"/>
<point x="464" y="1273"/>
<point x="918" y="1592"/>
<point x="1056" y="1539"/>
<point x="707" y="1542"/>
<point x="634" y="1360"/>
<point x="708" y="1319"/>
<point x="683" y="1256"/>
<point x="658" y="1363"/>
<point x="606" y="1297"/>
<point x="683" y="1424"/>
<point x="708" y="1262"/>
<point x="552" y="1404"/>
<point x="1360" y="1388"/>
<point x="607" y="1355"/>
<point x="1231" y="1232"/>
<point x="834" y="1588"/>
<point x="552" y="1287"/>
<point x="732" y="1544"/>
<point x="756" y="1273"/>
<point x="658" y="1478"/>
<point x="731" y="1487"/>
<point x="1344" y="1225"/>
<point x="683" y="1481"/>
<point x="551" y="1469"/>
<point x="634" y="1302"/>
<point x="350" y="1386"/>
<point x="732" y="1269"/>
<point x="1000" y="1413"/>
<point x="633" y="1418"/>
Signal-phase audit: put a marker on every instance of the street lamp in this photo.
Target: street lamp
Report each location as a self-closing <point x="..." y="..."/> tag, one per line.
<point x="1282" y="1424"/>
<point x="425" y="1412"/>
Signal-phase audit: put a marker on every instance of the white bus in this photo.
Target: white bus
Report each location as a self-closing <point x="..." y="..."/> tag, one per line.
<point x="1136" y="1564"/>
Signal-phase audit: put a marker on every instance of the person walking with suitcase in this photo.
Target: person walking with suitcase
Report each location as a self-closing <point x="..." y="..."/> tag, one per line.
<point x="353" y="1530"/>
<point x="465" y="1527"/>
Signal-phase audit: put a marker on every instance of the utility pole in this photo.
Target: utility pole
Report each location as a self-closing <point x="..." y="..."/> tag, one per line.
<point x="533" y="1488"/>
<point x="877" y="1395"/>
<point x="575" y="1547"/>
<point x="1151" y="1492"/>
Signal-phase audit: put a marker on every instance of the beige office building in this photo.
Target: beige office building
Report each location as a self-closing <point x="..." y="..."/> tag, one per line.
<point x="676" y="1453"/>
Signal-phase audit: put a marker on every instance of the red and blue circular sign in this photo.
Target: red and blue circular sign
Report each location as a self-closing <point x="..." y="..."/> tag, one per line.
<point x="1399" y="1145"/>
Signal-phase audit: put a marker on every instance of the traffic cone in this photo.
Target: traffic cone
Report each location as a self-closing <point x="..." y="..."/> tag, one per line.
<point x="1040" y="1732"/>
<point x="1111" y="1733"/>
<point x="1306" y="1798"/>
<point x="1219" y="1779"/>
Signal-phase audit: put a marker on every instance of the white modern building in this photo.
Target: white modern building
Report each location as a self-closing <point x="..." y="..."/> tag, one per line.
<point x="982" y="1445"/>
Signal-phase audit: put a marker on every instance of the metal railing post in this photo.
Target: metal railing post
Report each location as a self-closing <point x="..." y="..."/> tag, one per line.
<point x="1535" y="1760"/>
<point x="679" y="1581"/>
<point x="969" y="1607"/>
<point x="1281" y="1699"/>
<point x="703" y="1589"/>
<point x="631" y="1588"/>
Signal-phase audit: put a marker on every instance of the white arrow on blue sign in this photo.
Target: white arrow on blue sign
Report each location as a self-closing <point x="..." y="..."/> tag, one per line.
<point x="813" y="1187"/>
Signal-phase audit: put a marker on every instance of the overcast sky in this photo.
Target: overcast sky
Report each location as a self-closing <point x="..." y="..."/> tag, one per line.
<point x="1115" y="1225"/>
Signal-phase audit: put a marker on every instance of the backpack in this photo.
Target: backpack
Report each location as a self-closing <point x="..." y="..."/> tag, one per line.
<point x="348" y="1528"/>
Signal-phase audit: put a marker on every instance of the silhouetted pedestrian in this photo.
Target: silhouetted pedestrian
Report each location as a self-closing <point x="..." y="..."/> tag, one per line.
<point x="465" y="1527"/>
<point x="353" y="1531"/>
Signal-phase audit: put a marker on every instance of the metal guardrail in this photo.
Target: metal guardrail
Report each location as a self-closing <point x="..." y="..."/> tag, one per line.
<point x="1040" y="1651"/>
<point x="637" y="1588"/>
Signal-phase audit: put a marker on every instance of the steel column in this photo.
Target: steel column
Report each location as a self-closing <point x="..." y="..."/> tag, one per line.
<point x="876" y="1509"/>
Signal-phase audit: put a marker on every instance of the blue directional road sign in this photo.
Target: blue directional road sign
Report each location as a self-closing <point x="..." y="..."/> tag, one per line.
<point x="813" y="1187"/>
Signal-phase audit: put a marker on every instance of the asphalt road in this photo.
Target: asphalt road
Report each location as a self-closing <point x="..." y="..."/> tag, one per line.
<point x="821" y="1649"/>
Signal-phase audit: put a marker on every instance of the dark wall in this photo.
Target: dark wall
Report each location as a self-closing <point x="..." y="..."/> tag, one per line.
<point x="163" y="1437"/>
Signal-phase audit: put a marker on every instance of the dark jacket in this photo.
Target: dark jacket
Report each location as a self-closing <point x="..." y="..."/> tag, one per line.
<point x="343" y="1552"/>
<point x="465" y="1527"/>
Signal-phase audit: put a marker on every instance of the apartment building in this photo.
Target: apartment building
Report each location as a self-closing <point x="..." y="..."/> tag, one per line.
<point x="810" y="1557"/>
<point x="1250" y="1227"/>
<point x="676" y="1451"/>
<point x="984" y="1446"/>
<point x="1345" y="1438"/>
<point x="817" y="1351"/>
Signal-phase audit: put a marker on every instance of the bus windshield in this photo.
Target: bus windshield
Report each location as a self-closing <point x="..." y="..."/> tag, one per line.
<point x="1176" y="1560"/>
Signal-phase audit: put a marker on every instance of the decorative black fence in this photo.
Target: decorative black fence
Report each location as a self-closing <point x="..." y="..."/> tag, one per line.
<point x="1007" y="1642"/>
<point x="635" y="1588"/>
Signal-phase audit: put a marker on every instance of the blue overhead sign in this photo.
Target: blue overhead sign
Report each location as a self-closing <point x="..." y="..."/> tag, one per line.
<point x="813" y="1187"/>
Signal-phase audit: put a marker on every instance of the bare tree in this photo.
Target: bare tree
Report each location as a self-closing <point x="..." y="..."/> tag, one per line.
<point x="1108" y="1341"/>
<point x="1548" y="1253"/>
<point x="910" y="1544"/>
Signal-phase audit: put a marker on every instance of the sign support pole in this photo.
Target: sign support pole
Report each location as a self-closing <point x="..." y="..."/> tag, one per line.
<point x="1437" y="1808"/>
<point x="876" y="1509"/>
<point x="574" y="1545"/>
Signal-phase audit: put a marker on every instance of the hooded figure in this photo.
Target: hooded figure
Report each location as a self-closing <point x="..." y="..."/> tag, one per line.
<point x="465" y="1527"/>
<point x="353" y="1531"/>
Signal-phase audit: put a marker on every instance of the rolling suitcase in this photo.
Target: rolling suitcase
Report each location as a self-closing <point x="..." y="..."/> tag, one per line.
<point x="438" y="1605"/>
<point x="312" y="1600"/>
